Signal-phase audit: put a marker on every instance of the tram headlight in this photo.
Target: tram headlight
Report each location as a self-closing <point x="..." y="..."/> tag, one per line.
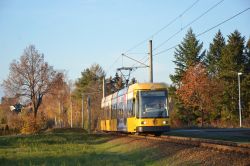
<point x="164" y="122"/>
<point x="143" y="122"/>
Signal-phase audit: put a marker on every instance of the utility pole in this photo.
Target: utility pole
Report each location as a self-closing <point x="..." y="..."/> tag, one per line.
<point x="150" y="62"/>
<point x="239" y="99"/>
<point x="89" y="115"/>
<point x="82" y="111"/>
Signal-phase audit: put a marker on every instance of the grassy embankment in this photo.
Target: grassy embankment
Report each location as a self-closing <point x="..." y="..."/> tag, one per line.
<point x="67" y="147"/>
<point x="75" y="147"/>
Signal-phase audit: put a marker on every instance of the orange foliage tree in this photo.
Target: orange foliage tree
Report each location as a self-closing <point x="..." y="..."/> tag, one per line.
<point x="197" y="90"/>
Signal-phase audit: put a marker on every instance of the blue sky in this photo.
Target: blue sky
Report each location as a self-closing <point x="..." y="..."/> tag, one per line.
<point x="77" y="33"/>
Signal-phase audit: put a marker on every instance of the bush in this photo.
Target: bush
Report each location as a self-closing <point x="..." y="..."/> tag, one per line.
<point x="25" y="122"/>
<point x="15" y="122"/>
<point x="30" y="125"/>
<point x="34" y="125"/>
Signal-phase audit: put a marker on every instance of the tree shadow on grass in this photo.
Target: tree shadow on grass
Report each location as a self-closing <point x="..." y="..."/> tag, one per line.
<point x="137" y="157"/>
<point x="108" y="154"/>
<point x="114" y="153"/>
<point x="53" y="138"/>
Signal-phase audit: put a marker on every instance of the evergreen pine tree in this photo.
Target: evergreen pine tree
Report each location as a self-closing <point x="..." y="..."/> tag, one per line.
<point x="245" y="87"/>
<point x="232" y="62"/>
<point x="214" y="53"/>
<point x="212" y="62"/>
<point x="186" y="54"/>
<point x="89" y="77"/>
<point x="247" y="57"/>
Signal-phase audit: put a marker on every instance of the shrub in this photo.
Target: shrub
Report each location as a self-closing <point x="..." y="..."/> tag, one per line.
<point x="32" y="124"/>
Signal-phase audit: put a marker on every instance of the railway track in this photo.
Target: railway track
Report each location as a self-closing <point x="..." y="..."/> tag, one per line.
<point x="223" y="146"/>
<point x="218" y="145"/>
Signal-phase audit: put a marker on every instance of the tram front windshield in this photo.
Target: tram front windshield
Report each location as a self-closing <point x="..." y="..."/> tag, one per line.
<point x="152" y="104"/>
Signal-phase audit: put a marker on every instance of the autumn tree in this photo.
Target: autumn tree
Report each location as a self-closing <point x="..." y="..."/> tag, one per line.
<point x="187" y="53"/>
<point x="30" y="77"/>
<point x="56" y="104"/>
<point x="196" y="90"/>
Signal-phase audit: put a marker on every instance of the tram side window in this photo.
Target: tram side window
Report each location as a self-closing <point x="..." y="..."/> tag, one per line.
<point x="122" y="108"/>
<point x="107" y="113"/>
<point x="103" y="113"/>
<point x="130" y="108"/>
<point x="125" y="111"/>
<point x="113" y="110"/>
<point x="114" y="113"/>
<point x="119" y="109"/>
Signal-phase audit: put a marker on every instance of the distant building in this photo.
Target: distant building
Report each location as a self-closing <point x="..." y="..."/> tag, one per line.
<point x="12" y="103"/>
<point x="18" y="107"/>
<point x="9" y="100"/>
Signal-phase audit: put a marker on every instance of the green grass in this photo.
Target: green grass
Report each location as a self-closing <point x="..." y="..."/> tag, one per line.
<point x="73" y="148"/>
<point x="76" y="147"/>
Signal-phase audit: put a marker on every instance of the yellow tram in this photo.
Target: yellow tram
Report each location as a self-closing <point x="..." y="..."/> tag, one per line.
<point x="139" y="108"/>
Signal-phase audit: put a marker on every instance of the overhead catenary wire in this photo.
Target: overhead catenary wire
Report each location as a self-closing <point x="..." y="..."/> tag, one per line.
<point x="182" y="28"/>
<point x="164" y="27"/>
<point x="193" y="21"/>
<point x="211" y="28"/>
<point x="136" y="53"/>
<point x="202" y="33"/>
<point x="207" y="30"/>
<point x="135" y="60"/>
<point x="113" y="63"/>
<point x="154" y="34"/>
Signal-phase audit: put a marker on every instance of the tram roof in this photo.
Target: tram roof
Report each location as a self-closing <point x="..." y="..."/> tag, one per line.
<point x="147" y="86"/>
<point x="139" y="86"/>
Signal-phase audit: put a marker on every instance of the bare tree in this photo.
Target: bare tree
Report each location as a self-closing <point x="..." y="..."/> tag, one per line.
<point x="30" y="77"/>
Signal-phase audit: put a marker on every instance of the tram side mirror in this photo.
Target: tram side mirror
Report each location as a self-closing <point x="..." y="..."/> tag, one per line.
<point x="167" y="111"/>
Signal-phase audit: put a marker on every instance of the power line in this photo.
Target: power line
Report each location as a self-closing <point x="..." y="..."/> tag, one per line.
<point x="156" y="33"/>
<point x="223" y="22"/>
<point x="171" y="22"/>
<point x="135" y="60"/>
<point x="170" y="48"/>
<point x="207" y="30"/>
<point x="164" y="27"/>
<point x="135" y="53"/>
<point x="196" y="19"/>
<point x="113" y="63"/>
<point x="141" y="60"/>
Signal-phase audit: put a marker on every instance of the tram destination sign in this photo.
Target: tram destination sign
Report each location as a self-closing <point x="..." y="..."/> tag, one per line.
<point x="153" y="93"/>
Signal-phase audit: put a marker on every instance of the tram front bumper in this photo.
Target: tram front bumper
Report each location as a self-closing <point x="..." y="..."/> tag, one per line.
<point x="149" y="129"/>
